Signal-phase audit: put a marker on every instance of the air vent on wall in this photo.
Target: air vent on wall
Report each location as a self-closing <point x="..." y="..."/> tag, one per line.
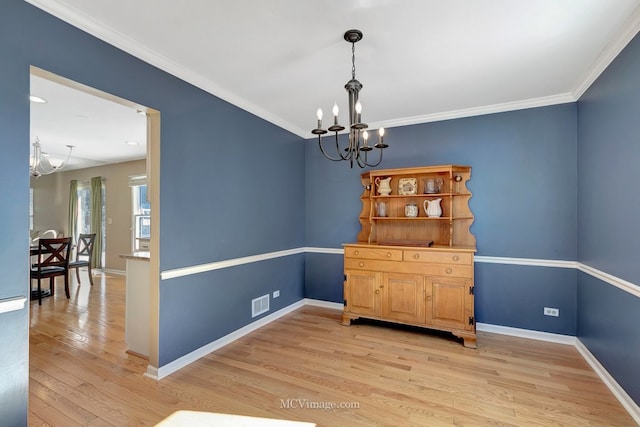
<point x="259" y="305"/>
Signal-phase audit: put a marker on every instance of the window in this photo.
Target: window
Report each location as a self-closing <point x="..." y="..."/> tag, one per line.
<point x="141" y="218"/>
<point x="83" y="226"/>
<point x="84" y="208"/>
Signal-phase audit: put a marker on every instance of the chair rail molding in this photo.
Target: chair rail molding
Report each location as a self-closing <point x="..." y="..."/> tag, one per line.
<point x="610" y="279"/>
<point x="12" y="304"/>
<point x="535" y="262"/>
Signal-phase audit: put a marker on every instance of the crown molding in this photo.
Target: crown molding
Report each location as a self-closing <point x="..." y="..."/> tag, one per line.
<point x="606" y="57"/>
<point x="544" y="101"/>
<point x="127" y="44"/>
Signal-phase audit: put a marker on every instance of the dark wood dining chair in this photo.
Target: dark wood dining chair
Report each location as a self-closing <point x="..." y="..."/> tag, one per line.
<point x="84" y="255"/>
<point x="52" y="261"/>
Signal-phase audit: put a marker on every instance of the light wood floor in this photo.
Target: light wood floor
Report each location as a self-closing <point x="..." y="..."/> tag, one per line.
<point x="300" y="365"/>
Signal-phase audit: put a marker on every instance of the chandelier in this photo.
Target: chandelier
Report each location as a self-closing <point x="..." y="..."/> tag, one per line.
<point x="40" y="162"/>
<point x="358" y="148"/>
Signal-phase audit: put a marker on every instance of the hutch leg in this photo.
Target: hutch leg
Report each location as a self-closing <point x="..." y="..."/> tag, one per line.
<point x="469" y="339"/>
<point x="346" y="319"/>
<point x="470" y="342"/>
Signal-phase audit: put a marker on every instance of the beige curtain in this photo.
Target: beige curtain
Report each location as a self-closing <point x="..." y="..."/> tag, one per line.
<point x="73" y="210"/>
<point x="97" y="198"/>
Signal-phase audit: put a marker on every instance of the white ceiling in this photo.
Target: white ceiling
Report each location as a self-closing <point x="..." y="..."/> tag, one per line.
<point x="419" y="60"/>
<point x="102" y="131"/>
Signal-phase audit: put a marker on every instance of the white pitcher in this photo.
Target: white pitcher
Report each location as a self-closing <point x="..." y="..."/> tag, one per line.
<point x="432" y="208"/>
<point x="384" y="186"/>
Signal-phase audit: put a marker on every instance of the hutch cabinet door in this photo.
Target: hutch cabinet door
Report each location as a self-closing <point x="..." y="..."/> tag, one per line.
<point x="404" y="297"/>
<point x="450" y="302"/>
<point x="362" y="292"/>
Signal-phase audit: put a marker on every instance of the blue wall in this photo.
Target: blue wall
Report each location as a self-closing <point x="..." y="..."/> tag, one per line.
<point x="231" y="185"/>
<point x="524" y="183"/>
<point x="523" y="180"/>
<point x="226" y="294"/>
<point x="608" y="320"/>
<point x="608" y="212"/>
<point x="14" y="203"/>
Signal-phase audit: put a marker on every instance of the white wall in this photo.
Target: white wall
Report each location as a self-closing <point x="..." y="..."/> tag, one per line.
<point x="51" y="204"/>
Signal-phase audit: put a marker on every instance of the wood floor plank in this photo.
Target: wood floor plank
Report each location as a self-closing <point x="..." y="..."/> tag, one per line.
<point x="306" y="367"/>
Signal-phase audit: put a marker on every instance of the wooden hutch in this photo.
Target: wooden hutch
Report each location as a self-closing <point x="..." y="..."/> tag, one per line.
<point x="415" y="270"/>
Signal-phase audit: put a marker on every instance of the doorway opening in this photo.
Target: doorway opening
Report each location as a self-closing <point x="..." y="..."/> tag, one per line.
<point x="51" y="194"/>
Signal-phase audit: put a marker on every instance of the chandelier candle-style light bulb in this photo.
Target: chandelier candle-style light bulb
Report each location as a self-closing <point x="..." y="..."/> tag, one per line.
<point x="358" y="112"/>
<point x="357" y="146"/>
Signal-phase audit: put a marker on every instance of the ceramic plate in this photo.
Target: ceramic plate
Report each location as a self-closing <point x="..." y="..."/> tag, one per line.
<point x="407" y="186"/>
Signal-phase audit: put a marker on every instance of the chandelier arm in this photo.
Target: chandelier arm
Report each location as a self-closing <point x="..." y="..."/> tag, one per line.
<point x="353" y="146"/>
<point x="352" y="152"/>
<point x="40" y="163"/>
<point x="348" y="149"/>
<point x="372" y="165"/>
<point x="65" y="161"/>
<point x="362" y="159"/>
<point x="45" y="167"/>
<point x="324" y="153"/>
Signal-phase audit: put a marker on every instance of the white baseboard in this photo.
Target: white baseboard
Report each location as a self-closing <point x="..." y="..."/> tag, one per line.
<point x="526" y="333"/>
<point x="171" y="367"/>
<point x="152" y="372"/>
<point x="115" y="272"/>
<point x="325" y="304"/>
<point x="627" y="402"/>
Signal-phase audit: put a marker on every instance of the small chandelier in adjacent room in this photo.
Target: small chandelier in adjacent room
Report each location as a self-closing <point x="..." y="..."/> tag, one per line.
<point x="41" y="164"/>
<point x="358" y="147"/>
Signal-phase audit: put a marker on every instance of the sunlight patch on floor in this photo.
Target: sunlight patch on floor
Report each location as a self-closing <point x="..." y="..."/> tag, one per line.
<point x="202" y="419"/>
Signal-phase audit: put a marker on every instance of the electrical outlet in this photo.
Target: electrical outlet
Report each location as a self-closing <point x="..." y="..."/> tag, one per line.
<point x="548" y="311"/>
<point x="276" y="294"/>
